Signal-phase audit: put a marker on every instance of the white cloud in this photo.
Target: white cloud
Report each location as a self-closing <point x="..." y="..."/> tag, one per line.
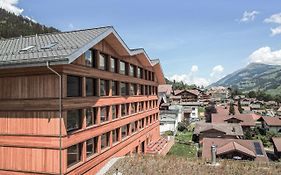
<point x="194" y="68"/>
<point x="249" y="16"/>
<point x="191" y="77"/>
<point x="266" y="55"/>
<point x="71" y="26"/>
<point x="275" y="19"/>
<point x="10" y="6"/>
<point x="217" y="70"/>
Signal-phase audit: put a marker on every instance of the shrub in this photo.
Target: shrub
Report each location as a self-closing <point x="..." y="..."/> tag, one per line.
<point x="169" y="133"/>
<point x="181" y="127"/>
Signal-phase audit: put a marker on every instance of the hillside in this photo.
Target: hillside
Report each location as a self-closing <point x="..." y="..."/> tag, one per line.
<point x="12" y="25"/>
<point x="254" y="77"/>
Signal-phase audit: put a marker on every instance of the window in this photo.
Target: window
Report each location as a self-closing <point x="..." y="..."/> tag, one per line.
<point x="114" y="112"/>
<point x="122" y="68"/>
<point x="133" y="89"/>
<point x="103" y="62"/>
<point x="91" y="118"/>
<point x="125" y="131"/>
<point x="91" y="146"/>
<point x="115" y="135"/>
<point x="134" y="126"/>
<point x="147" y="121"/>
<point x="104" y="88"/>
<point x="258" y="149"/>
<point x="104" y="112"/>
<point x="73" y="120"/>
<point x="113" y="65"/>
<point x="90" y="87"/>
<point x="139" y="72"/>
<point x="124" y="110"/>
<point x="105" y="140"/>
<point x="89" y="58"/>
<point x="114" y="87"/>
<point x="141" y="106"/>
<point x="142" y="90"/>
<point x="132" y="70"/>
<point x="124" y="90"/>
<point x="141" y="123"/>
<point x="74" y="86"/>
<point x="134" y="107"/>
<point x="153" y="76"/>
<point x="73" y="155"/>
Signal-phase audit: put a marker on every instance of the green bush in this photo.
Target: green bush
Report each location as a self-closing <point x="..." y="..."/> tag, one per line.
<point x="169" y="133"/>
<point x="181" y="127"/>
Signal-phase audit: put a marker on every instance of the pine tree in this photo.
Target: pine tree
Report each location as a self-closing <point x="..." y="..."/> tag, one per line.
<point x="231" y="109"/>
<point x="240" y="109"/>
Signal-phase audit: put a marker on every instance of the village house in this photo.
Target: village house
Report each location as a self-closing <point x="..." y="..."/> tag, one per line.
<point x="190" y="111"/>
<point x="272" y="124"/>
<point x="217" y="130"/>
<point x="277" y="146"/>
<point x="71" y="101"/>
<point x="181" y="96"/>
<point x="236" y="149"/>
<point x="169" y="120"/>
<point x="164" y="93"/>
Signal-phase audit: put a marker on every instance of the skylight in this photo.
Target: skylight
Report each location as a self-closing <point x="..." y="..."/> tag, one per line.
<point x="48" y="46"/>
<point x="258" y="149"/>
<point x="26" y="48"/>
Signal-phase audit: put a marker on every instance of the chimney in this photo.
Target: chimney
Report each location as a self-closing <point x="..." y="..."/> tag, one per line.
<point x="213" y="154"/>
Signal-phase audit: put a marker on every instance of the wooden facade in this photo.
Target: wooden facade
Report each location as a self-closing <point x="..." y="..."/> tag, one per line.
<point x="30" y="118"/>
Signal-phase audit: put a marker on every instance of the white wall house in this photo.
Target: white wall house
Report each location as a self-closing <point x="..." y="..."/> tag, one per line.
<point x="169" y="120"/>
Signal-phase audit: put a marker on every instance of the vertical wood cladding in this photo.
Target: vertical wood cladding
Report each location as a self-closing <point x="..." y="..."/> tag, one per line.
<point x="36" y="86"/>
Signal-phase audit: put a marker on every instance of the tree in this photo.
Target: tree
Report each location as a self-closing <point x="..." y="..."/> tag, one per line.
<point x="240" y="109"/>
<point x="252" y="94"/>
<point x="231" y="109"/>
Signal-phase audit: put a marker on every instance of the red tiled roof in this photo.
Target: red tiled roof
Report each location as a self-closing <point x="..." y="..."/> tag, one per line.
<point x="226" y="145"/>
<point x="277" y="143"/>
<point x="166" y="88"/>
<point x="272" y="121"/>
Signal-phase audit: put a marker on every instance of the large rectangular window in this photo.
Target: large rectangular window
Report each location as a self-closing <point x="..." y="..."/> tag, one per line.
<point x="125" y="131"/>
<point x="124" y="89"/>
<point x="114" y="87"/>
<point x="139" y="72"/>
<point x="132" y="70"/>
<point x="134" y="107"/>
<point x="74" y="86"/>
<point x="115" y="135"/>
<point x="104" y="88"/>
<point x="124" y="110"/>
<point x="89" y="58"/>
<point x="73" y="155"/>
<point x="134" y="126"/>
<point x="91" y="146"/>
<point x="90" y="87"/>
<point x="114" y="111"/>
<point x="104" y="112"/>
<point x="113" y="65"/>
<point x="105" y="140"/>
<point x="74" y="120"/>
<point x="122" y="68"/>
<point x="91" y="116"/>
<point x="103" y="62"/>
<point x="133" y="89"/>
<point x="141" y="106"/>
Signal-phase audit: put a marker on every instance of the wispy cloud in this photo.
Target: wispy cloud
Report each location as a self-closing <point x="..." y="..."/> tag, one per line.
<point x="274" y="19"/>
<point x="249" y="16"/>
<point x="266" y="55"/>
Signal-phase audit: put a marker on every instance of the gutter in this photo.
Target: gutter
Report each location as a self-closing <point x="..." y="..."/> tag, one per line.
<point x="60" y="115"/>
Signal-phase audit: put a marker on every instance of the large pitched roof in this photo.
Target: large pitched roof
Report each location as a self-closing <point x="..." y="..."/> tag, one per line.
<point x="228" y="128"/>
<point x="272" y="121"/>
<point x="62" y="48"/>
<point x="225" y="146"/>
<point x="277" y="143"/>
<point x="165" y="88"/>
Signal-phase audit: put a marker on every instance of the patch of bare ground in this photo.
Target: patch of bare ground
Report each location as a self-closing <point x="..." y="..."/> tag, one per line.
<point x="159" y="165"/>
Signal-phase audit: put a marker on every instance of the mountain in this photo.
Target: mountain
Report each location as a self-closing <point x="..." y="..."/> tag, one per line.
<point x="12" y="25"/>
<point x="255" y="76"/>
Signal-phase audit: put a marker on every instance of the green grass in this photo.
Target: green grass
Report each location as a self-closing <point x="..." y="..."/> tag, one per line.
<point x="184" y="150"/>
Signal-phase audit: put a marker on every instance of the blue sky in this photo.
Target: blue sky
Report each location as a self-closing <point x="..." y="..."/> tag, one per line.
<point x="197" y="41"/>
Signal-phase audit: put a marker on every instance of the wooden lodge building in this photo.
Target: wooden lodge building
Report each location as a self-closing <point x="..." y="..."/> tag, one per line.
<point x="70" y="101"/>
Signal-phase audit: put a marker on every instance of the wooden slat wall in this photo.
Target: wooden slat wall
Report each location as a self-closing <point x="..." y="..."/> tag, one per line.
<point x="30" y="123"/>
<point x="37" y="86"/>
<point x="29" y="159"/>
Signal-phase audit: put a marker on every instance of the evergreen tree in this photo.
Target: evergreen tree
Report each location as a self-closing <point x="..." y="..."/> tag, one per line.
<point x="240" y="109"/>
<point x="231" y="109"/>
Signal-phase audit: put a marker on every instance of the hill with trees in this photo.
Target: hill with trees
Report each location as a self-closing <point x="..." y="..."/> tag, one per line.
<point x="12" y="25"/>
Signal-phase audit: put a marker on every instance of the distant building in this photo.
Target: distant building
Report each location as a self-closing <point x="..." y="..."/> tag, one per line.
<point x="169" y="120"/>
<point x="190" y="111"/>
<point x="271" y="124"/>
<point x="182" y="96"/>
<point x="217" y="130"/>
<point x="219" y="94"/>
<point x="277" y="146"/>
<point x="236" y="149"/>
<point x="164" y="94"/>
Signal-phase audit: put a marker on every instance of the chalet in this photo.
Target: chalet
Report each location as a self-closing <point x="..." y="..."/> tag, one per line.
<point x="190" y="111"/>
<point x="271" y="123"/>
<point x="277" y="146"/>
<point x="169" y="120"/>
<point x="164" y="93"/>
<point x="187" y="95"/>
<point x="71" y="101"/>
<point x="236" y="149"/>
<point x="218" y="130"/>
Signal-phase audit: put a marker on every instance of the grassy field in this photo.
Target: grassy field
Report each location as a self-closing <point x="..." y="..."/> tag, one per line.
<point x="184" y="146"/>
<point x="169" y="165"/>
